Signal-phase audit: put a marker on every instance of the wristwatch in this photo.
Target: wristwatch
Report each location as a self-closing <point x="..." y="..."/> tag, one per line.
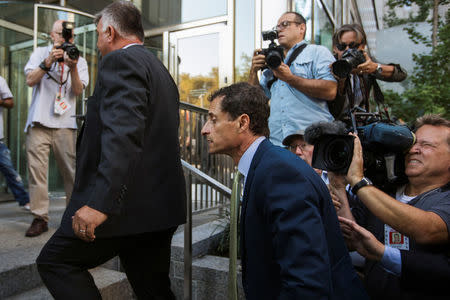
<point x="364" y="182"/>
<point x="43" y="66"/>
<point x="379" y="69"/>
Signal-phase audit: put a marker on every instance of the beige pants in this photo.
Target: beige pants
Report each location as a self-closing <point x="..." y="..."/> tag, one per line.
<point x="39" y="141"/>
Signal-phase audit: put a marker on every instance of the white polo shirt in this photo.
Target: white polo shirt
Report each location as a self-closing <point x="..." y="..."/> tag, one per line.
<point x="42" y="104"/>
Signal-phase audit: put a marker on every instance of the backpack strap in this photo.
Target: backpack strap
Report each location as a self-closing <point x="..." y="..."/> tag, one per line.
<point x="291" y="59"/>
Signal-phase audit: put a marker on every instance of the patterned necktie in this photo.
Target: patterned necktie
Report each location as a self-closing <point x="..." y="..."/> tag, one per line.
<point x="234" y="216"/>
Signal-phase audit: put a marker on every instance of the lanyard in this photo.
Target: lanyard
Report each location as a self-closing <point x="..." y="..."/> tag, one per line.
<point x="61" y="80"/>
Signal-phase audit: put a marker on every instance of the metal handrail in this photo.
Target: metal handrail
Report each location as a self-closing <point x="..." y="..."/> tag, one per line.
<point x="191" y="172"/>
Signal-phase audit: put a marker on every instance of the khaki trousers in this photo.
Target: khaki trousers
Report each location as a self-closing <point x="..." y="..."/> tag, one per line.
<point x="38" y="143"/>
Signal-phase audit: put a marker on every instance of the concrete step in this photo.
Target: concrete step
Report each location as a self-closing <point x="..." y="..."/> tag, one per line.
<point x="113" y="285"/>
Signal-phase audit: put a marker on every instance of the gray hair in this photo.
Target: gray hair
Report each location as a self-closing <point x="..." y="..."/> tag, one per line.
<point x="124" y="17"/>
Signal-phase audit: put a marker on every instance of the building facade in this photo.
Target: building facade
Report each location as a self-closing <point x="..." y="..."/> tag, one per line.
<point x="205" y="44"/>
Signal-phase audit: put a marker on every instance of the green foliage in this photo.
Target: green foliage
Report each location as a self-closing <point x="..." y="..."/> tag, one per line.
<point x="429" y="91"/>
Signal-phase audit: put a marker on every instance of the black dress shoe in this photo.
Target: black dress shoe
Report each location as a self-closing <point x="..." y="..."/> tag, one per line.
<point x="37" y="227"/>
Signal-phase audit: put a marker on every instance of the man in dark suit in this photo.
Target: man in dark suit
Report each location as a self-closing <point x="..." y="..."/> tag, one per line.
<point x="291" y="244"/>
<point x="129" y="191"/>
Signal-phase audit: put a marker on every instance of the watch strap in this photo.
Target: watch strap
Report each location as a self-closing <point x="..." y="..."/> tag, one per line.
<point x="43" y="66"/>
<point x="364" y="182"/>
<point x="379" y="69"/>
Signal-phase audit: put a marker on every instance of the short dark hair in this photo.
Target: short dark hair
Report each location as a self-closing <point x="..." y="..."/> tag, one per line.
<point x="298" y="17"/>
<point x="124" y="17"/>
<point x="243" y="98"/>
<point x="356" y="28"/>
<point x="433" y="120"/>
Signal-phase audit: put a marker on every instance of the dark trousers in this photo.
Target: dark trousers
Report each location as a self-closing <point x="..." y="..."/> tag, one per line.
<point x="64" y="262"/>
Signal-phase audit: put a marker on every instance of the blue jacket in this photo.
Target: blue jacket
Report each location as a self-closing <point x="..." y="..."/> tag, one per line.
<point x="291" y="244"/>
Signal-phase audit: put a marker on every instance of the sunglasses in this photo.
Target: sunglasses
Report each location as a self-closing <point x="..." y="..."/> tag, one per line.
<point x="343" y="46"/>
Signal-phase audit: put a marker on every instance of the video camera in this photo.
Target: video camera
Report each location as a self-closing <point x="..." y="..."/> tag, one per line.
<point x="349" y="61"/>
<point x="383" y="142"/>
<point x="274" y="53"/>
<point x="71" y="50"/>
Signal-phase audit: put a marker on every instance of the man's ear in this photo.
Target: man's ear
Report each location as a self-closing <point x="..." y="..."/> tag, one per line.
<point x="110" y="33"/>
<point x="244" y="122"/>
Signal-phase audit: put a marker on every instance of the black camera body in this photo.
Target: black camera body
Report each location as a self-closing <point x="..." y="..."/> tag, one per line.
<point x="383" y="144"/>
<point x="349" y="61"/>
<point x="274" y="53"/>
<point x="71" y="50"/>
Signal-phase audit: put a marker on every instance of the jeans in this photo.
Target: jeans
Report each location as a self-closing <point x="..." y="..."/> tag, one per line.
<point x="13" y="179"/>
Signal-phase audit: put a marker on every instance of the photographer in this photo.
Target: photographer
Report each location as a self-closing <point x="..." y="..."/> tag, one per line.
<point x="355" y="84"/>
<point x="57" y="80"/>
<point x="299" y="97"/>
<point x="406" y="239"/>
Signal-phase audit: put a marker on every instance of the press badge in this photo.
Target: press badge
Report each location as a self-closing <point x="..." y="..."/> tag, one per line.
<point x="61" y="105"/>
<point x="395" y="239"/>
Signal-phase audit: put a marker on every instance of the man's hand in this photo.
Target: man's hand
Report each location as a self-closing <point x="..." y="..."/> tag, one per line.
<point x="283" y="72"/>
<point x="367" y="67"/>
<point x="362" y="240"/>
<point x="53" y="56"/>
<point x="258" y="62"/>
<point x="71" y="63"/>
<point x="85" y="221"/>
<point x="355" y="172"/>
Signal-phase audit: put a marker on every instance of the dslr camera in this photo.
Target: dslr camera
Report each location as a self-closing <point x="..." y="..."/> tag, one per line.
<point x="383" y="142"/>
<point x="349" y="61"/>
<point x="274" y="53"/>
<point x="71" y="50"/>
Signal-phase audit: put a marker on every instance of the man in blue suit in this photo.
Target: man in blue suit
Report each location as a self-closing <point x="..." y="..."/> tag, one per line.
<point x="291" y="244"/>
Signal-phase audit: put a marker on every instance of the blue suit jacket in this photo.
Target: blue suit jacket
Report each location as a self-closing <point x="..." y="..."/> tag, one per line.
<point x="291" y="244"/>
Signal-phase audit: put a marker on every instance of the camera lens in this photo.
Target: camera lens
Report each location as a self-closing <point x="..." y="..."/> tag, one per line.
<point x="273" y="59"/>
<point x="73" y="52"/>
<point x="341" y="68"/>
<point x="337" y="154"/>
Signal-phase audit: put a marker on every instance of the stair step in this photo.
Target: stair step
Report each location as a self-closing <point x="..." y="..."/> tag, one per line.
<point x="113" y="285"/>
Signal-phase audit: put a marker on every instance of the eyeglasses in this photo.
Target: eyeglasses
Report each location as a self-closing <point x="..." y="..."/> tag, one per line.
<point x="343" y="46"/>
<point x="293" y="148"/>
<point x="284" y="24"/>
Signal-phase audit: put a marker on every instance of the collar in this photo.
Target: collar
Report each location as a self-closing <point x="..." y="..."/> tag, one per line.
<point x="293" y="48"/>
<point x="247" y="157"/>
<point x="129" y="45"/>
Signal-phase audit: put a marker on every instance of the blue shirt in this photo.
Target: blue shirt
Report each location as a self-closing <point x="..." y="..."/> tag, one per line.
<point x="247" y="157"/>
<point x="290" y="109"/>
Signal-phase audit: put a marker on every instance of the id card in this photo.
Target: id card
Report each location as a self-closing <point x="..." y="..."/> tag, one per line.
<point x="395" y="239"/>
<point x="61" y="105"/>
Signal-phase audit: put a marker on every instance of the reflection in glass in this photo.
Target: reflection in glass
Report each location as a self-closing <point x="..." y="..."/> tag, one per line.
<point x="158" y="13"/>
<point x="245" y="27"/>
<point x="155" y="45"/>
<point x="15" y="49"/>
<point x="303" y="7"/>
<point x="323" y="28"/>
<point x="329" y="4"/>
<point x="198" y="68"/>
<point x="338" y="16"/>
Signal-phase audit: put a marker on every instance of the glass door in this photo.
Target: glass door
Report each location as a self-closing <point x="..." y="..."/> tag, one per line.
<point x="198" y="60"/>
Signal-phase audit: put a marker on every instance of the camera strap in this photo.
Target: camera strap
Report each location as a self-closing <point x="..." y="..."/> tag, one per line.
<point x="291" y="59"/>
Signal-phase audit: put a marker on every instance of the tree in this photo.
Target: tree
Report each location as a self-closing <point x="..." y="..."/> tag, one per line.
<point x="429" y="91"/>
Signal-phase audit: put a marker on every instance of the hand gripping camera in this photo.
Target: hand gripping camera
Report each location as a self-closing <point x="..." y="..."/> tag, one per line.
<point x="383" y="143"/>
<point x="71" y="50"/>
<point x="274" y="53"/>
<point x="349" y="61"/>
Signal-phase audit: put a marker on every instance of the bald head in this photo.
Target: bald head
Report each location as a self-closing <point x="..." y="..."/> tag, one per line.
<point x="57" y="26"/>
